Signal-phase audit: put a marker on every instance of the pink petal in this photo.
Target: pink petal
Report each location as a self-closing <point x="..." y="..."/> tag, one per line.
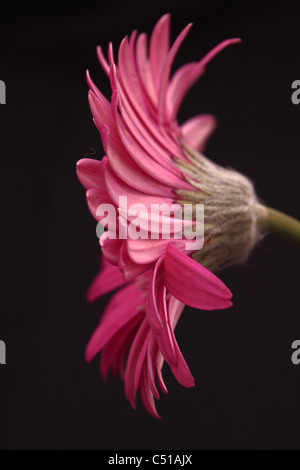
<point x="153" y="311"/>
<point x="128" y="77"/>
<point x="101" y="110"/>
<point x="104" y="133"/>
<point x="127" y="169"/>
<point x="181" y="370"/>
<point x="197" y="130"/>
<point x="114" y="351"/>
<point x="111" y="249"/>
<point x="94" y="88"/>
<point x="144" y="69"/>
<point x="193" y="284"/>
<point x="217" y="49"/>
<point x="159" y="364"/>
<point x="132" y="42"/>
<point x="108" y="279"/>
<point x="128" y="72"/>
<point x="159" y="47"/>
<point x="147" y="157"/>
<point x="153" y="224"/>
<point x="94" y="199"/>
<point x="116" y="187"/>
<point x="110" y="54"/>
<point x="141" y="115"/>
<point x="114" y="318"/>
<point x="168" y="313"/>
<point x="91" y="172"/>
<point x="142" y="359"/>
<point x="197" y="71"/>
<point x="148" y="251"/>
<point x="180" y="84"/>
<point x="152" y="354"/>
<point x="165" y="338"/>
<point x="165" y="74"/>
<point x="102" y="60"/>
<point x="146" y="394"/>
<point x="134" y="46"/>
<point x="158" y="314"/>
<point x="129" y="268"/>
<point x="146" y="132"/>
<point x="133" y="358"/>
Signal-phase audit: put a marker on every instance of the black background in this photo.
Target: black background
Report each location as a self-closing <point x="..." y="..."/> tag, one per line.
<point x="247" y="393"/>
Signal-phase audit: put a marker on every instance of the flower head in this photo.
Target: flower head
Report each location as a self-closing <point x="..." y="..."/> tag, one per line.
<point x="152" y="160"/>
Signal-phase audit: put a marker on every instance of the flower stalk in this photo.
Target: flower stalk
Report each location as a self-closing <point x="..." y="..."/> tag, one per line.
<point x="274" y="221"/>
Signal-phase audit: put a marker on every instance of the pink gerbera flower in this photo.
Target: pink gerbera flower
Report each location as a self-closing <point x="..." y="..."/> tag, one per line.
<point x="151" y="159"/>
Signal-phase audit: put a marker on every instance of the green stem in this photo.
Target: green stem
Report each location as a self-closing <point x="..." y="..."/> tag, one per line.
<point x="271" y="220"/>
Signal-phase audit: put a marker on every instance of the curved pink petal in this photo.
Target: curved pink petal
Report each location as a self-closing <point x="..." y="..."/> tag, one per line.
<point x="187" y="76"/>
<point x="110" y="54"/>
<point x="128" y="78"/>
<point x="165" y="337"/>
<point x="116" y="188"/>
<point x="153" y="140"/>
<point x="94" y="199"/>
<point x="91" y="173"/>
<point x="102" y="60"/>
<point x="152" y="356"/>
<point x="163" y="315"/>
<point x="180" y="84"/>
<point x="151" y="222"/>
<point x="114" y="351"/>
<point x="109" y="278"/>
<point x="180" y="370"/>
<point x="158" y="314"/>
<point x="114" y="318"/>
<point x="211" y="54"/>
<point x="127" y="169"/>
<point x="142" y="117"/>
<point x="146" y="394"/>
<point x="154" y="313"/>
<point x="129" y="268"/>
<point x="135" y="351"/>
<point x="133" y="46"/>
<point x="159" y="364"/>
<point x="101" y="110"/>
<point x="111" y="249"/>
<point x="142" y="359"/>
<point x="144" y="69"/>
<point x="159" y="48"/>
<point x="193" y="284"/>
<point x="96" y="92"/>
<point x="128" y="71"/>
<point x="148" y="251"/>
<point x="149" y="158"/>
<point x="197" y="130"/>
<point x="165" y="74"/>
